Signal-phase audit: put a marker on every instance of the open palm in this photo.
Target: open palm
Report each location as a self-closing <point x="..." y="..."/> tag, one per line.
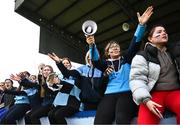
<point x="54" y="57"/>
<point x="145" y="16"/>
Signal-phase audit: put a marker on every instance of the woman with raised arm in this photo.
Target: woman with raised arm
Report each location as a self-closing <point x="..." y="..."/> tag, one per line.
<point x="89" y="80"/>
<point x="21" y="104"/>
<point x="117" y="103"/>
<point x="66" y="102"/>
<point x="45" y="93"/>
<point x="154" y="78"/>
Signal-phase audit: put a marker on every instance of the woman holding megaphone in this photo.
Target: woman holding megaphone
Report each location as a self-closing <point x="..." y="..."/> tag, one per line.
<point x="117" y="103"/>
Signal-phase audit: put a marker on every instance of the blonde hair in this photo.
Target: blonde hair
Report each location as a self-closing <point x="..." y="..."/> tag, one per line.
<point x="106" y="51"/>
<point x="42" y="90"/>
<point x="51" y="77"/>
<point x="50" y="67"/>
<point x="2" y="83"/>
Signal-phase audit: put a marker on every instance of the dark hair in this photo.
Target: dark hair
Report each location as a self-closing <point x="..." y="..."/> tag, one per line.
<point x="152" y="29"/>
<point x="27" y="73"/>
<point x="9" y="80"/>
<point x="66" y="58"/>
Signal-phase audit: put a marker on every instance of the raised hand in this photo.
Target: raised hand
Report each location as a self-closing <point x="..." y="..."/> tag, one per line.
<point x="90" y="40"/>
<point x="15" y="77"/>
<point x="22" y="75"/>
<point x="40" y="67"/>
<point x="54" y="57"/>
<point x="145" y="16"/>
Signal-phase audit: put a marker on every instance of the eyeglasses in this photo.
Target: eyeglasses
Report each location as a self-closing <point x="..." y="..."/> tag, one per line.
<point x="111" y="50"/>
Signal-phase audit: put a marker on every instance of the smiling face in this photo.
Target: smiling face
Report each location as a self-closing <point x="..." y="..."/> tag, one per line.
<point x="33" y="78"/>
<point x="66" y="62"/>
<point x="47" y="70"/>
<point x="113" y="50"/>
<point x="158" y="36"/>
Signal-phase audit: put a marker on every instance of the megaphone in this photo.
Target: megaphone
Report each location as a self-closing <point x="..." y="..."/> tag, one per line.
<point x="89" y="27"/>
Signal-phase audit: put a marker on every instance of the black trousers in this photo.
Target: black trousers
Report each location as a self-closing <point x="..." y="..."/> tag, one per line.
<point x="33" y="117"/>
<point x="15" y="112"/>
<point x="57" y="114"/>
<point x="119" y="107"/>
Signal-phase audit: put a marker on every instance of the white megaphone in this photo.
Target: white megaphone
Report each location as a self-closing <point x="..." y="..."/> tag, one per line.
<point x="89" y="27"/>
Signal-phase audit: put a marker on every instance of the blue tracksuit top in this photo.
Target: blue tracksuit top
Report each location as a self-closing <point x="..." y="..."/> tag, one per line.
<point x="119" y="80"/>
<point x="22" y="99"/>
<point x="86" y="71"/>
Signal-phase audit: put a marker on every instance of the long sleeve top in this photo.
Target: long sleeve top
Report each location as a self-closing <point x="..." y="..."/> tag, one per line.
<point x="70" y="91"/>
<point x="49" y="94"/>
<point x="119" y="79"/>
<point x="20" y="96"/>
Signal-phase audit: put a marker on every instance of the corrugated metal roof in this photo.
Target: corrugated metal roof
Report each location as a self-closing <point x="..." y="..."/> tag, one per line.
<point x="67" y="16"/>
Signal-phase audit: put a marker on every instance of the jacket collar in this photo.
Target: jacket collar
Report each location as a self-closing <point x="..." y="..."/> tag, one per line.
<point x="160" y="49"/>
<point x="151" y="52"/>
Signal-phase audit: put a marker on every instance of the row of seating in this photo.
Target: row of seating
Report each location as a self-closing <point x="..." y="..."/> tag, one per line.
<point x="87" y="117"/>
